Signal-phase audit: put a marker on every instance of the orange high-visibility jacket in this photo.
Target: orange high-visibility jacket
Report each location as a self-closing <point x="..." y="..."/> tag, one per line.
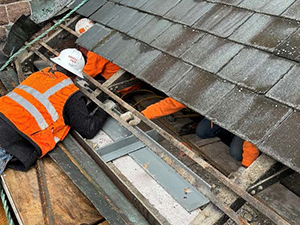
<point x="35" y="107"/>
<point x="98" y="65"/>
<point x="169" y="105"/>
<point x="164" y="107"/>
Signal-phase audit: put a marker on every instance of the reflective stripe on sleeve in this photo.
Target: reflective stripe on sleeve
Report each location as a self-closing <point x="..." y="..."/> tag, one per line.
<point x="30" y="108"/>
<point x="42" y="99"/>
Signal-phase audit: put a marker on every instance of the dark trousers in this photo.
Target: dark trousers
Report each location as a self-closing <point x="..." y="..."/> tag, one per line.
<point x="204" y="130"/>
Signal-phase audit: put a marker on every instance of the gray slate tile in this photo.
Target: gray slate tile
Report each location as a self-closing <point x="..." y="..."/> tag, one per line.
<point x="290" y="48"/>
<point x="223" y="20"/>
<point x="284" y="146"/>
<point x="264" y="31"/>
<point x="114" y="46"/>
<point x="248" y="115"/>
<point x="159" y="7"/>
<point x="151" y="30"/>
<point x="211" y="53"/>
<point x="107" y="13"/>
<point x="126" y="20"/>
<point x="137" y="57"/>
<point x="177" y="39"/>
<point x="287" y="89"/>
<point x="93" y="36"/>
<point x="134" y="3"/>
<point x="138" y="27"/>
<point x="230" y="2"/>
<point x="293" y="11"/>
<point x="274" y="7"/>
<point x="116" y="1"/>
<point x="189" y="11"/>
<point x="200" y="90"/>
<point x="164" y="72"/>
<point x="88" y="8"/>
<point x="255" y="69"/>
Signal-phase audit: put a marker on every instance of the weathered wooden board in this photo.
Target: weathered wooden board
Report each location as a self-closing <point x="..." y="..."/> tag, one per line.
<point x="283" y="201"/>
<point x="69" y="205"/>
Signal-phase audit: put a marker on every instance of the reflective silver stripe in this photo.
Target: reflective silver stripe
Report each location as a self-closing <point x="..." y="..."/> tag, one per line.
<point x="42" y="99"/>
<point x="30" y="108"/>
<point x="57" y="87"/>
<point x="56" y="139"/>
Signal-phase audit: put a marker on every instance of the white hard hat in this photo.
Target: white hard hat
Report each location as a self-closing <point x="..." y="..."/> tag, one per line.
<point x="83" y="25"/>
<point x="72" y="60"/>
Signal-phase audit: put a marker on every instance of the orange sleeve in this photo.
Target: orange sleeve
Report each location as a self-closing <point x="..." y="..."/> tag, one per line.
<point x="95" y="64"/>
<point x="109" y="70"/>
<point x="250" y="153"/>
<point x="164" y="107"/>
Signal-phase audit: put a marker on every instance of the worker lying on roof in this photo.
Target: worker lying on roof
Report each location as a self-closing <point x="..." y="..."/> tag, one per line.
<point x="96" y="65"/>
<point x="239" y="149"/>
<point x="39" y="112"/>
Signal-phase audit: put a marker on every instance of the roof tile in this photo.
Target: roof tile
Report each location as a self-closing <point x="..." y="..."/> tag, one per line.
<point x="230" y="2"/>
<point x="248" y="115"/>
<point x="88" y="8"/>
<point x="255" y="69"/>
<point x="290" y="48"/>
<point x="126" y="20"/>
<point x="200" y="90"/>
<point x="287" y="89"/>
<point x="107" y="13"/>
<point x="134" y="3"/>
<point x="177" y="39"/>
<point x="159" y="7"/>
<point x="138" y="27"/>
<point x="114" y="46"/>
<point x="137" y="58"/>
<point x="151" y="30"/>
<point x="275" y="7"/>
<point x="223" y="20"/>
<point x="284" y="146"/>
<point x="293" y="11"/>
<point x="189" y="11"/>
<point x="93" y="36"/>
<point x="264" y="31"/>
<point x="164" y="72"/>
<point x="211" y="53"/>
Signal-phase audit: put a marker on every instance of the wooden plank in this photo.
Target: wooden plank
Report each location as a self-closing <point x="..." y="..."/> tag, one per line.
<point x="283" y="201"/>
<point x="69" y="205"/>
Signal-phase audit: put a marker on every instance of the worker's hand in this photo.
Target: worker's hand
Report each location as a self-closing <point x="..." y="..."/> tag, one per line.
<point x="130" y="118"/>
<point x="83" y="83"/>
<point x="110" y="104"/>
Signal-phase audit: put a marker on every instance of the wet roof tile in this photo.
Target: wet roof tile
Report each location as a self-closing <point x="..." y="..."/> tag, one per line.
<point x="134" y="3"/>
<point x="274" y="7"/>
<point x="151" y="30"/>
<point x="264" y="31"/>
<point x="114" y="46"/>
<point x="159" y="7"/>
<point x="200" y="90"/>
<point x="93" y="36"/>
<point x="137" y="58"/>
<point x="287" y="89"/>
<point x="189" y="11"/>
<point x="255" y="69"/>
<point x="230" y="2"/>
<point x="293" y="11"/>
<point x="284" y="146"/>
<point x="107" y="13"/>
<point x="164" y="72"/>
<point x="88" y="8"/>
<point x="248" y="115"/>
<point x="126" y="20"/>
<point x="223" y="20"/>
<point x="177" y="39"/>
<point x="211" y="53"/>
<point x="290" y="48"/>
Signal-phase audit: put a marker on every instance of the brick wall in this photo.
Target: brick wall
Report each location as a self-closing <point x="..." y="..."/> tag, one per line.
<point x="10" y="11"/>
